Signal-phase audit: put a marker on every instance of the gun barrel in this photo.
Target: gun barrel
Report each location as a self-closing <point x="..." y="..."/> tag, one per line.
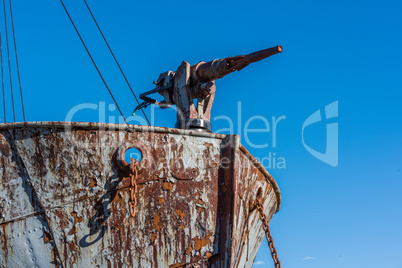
<point x="212" y="70"/>
<point x="262" y="54"/>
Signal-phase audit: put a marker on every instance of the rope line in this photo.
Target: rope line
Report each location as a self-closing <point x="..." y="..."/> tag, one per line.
<point x="115" y="59"/>
<point x="8" y="53"/>
<point x="16" y="59"/>
<point x="93" y="61"/>
<point x="2" y="79"/>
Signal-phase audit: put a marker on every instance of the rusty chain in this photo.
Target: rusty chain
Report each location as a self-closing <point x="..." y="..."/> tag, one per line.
<point x="133" y="186"/>
<point x="270" y="240"/>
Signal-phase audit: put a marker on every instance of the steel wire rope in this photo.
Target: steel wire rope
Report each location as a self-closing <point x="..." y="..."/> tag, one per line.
<point x="8" y="54"/>
<point x="2" y="79"/>
<point x="115" y="59"/>
<point x="16" y="60"/>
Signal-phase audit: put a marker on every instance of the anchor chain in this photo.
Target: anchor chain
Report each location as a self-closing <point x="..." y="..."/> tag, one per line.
<point x="133" y="186"/>
<point x="270" y="240"/>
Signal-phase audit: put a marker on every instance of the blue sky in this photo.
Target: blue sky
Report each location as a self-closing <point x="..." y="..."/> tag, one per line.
<point x="346" y="51"/>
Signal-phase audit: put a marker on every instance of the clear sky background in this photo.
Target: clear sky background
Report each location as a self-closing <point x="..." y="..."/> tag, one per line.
<point x="345" y="51"/>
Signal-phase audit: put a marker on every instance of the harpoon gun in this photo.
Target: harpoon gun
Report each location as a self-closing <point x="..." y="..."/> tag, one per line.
<point x="197" y="81"/>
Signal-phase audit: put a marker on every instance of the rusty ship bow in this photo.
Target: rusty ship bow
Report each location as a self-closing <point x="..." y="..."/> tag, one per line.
<point x="65" y="193"/>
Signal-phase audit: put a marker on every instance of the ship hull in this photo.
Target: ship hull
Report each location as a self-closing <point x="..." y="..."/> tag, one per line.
<point x="65" y="191"/>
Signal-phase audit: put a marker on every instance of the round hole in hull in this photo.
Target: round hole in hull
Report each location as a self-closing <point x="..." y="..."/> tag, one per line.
<point x="133" y="153"/>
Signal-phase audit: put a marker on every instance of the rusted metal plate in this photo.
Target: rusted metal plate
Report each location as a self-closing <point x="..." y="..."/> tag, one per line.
<point x="69" y="166"/>
<point x="169" y="227"/>
<point x="195" y="196"/>
<point x="26" y="243"/>
<point x="182" y="93"/>
<point x="16" y="194"/>
<point x="247" y="225"/>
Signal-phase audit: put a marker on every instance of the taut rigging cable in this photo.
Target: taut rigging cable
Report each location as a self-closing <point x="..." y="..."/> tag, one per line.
<point x="8" y="53"/>
<point x="2" y="79"/>
<point x="16" y="59"/>
<point x="93" y="61"/>
<point x="121" y="70"/>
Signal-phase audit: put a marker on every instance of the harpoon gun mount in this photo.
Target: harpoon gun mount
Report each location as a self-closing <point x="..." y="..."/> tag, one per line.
<point x="197" y="81"/>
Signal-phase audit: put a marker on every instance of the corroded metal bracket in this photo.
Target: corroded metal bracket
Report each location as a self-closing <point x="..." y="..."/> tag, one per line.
<point x="188" y="116"/>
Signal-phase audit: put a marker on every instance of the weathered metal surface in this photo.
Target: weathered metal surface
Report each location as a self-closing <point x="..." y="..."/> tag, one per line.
<point x="16" y="193"/>
<point x="248" y="235"/>
<point x="267" y="230"/>
<point x="26" y="243"/>
<point x="66" y="185"/>
<point x="182" y="93"/>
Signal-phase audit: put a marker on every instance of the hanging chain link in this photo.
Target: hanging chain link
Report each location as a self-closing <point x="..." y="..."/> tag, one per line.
<point x="133" y="186"/>
<point x="270" y="240"/>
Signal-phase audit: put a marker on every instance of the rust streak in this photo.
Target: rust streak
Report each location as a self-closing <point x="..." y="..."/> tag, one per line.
<point x="200" y="209"/>
<point x="168" y="186"/>
<point x="153" y="237"/>
<point x="93" y="183"/>
<point x="157" y="224"/>
<point x="47" y="237"/>
<point x="177" y="265"/>
<point x="188" y="250"/>
<point x="77" y="219"/>
<point x="199" y="201"/>
<point x="180" y="213"/>
<point x="200" y="242"/>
